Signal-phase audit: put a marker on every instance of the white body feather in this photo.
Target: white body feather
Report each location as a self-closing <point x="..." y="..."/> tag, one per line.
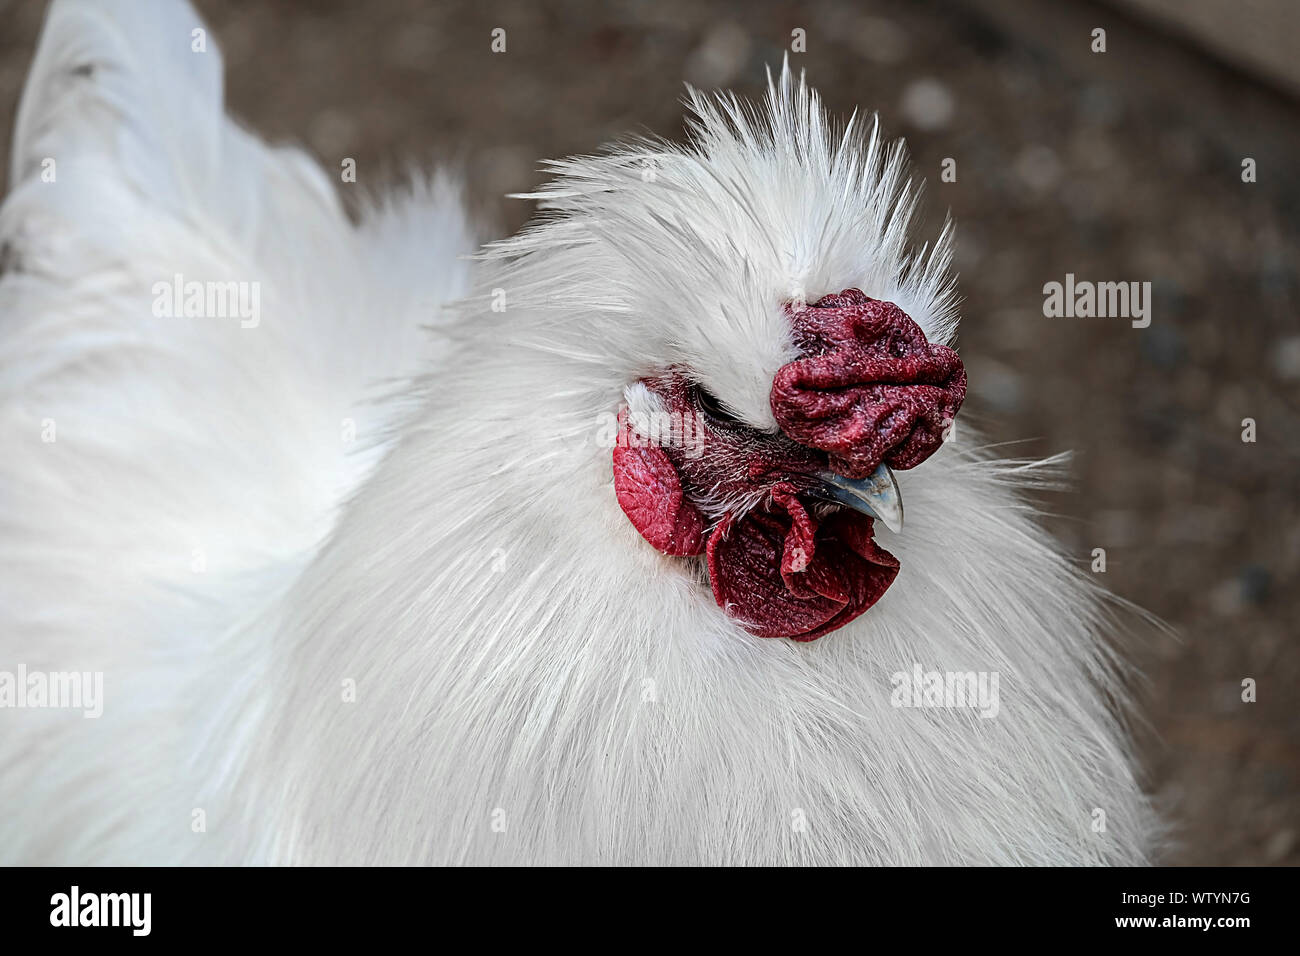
<point x="533" y="682"/>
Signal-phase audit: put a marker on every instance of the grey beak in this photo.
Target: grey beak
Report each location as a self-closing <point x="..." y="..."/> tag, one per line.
<point x="877" y="495"/>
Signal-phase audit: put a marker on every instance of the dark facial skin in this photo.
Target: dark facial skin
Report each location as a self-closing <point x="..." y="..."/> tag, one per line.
<point x="726" y="459"/>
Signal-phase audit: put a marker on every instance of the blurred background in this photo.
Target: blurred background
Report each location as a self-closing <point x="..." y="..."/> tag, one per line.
<point x="1117" y="166"/>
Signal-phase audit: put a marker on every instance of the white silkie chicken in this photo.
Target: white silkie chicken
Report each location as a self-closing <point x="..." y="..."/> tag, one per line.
<point x="597" y="585"/>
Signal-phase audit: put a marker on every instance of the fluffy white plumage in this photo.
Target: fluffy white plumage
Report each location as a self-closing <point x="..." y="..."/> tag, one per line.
<point x="534" y="683"/>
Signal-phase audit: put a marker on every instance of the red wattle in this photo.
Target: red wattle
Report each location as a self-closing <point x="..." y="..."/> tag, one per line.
<point x="780" y="574"/>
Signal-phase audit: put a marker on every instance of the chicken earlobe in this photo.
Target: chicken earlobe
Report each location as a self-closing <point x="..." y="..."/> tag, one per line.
<point x="650" y="493"/>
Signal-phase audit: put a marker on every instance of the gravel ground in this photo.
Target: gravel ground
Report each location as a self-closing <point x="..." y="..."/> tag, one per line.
<point x="1122" y="166"/>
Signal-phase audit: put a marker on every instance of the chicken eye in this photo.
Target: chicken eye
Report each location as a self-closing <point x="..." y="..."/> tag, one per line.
<point x="713" y="409"/>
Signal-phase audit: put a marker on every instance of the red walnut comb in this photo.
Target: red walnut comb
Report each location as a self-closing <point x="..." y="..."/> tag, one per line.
<point x="869" y="387"/>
